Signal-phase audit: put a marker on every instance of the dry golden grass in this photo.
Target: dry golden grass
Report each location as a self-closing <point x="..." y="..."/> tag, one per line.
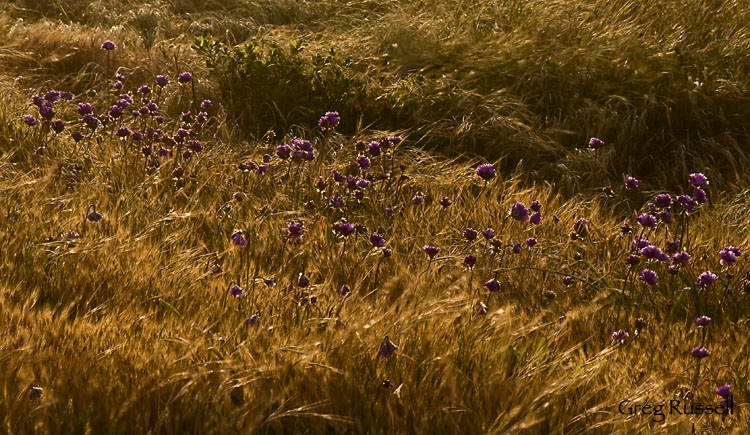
<point x="127" y="331"/>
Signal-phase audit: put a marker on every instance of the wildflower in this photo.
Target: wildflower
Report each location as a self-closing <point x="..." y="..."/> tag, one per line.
<point x="488" y="233"/>
<point x="663" y="200"/>
<point x="194" y="145"/>
<point x="37" y="100"/>
<point x="706" y="279"/>
<point x="728" y="256"/>
<point x="215" y="269"/>
<point x="269" y="282"/>
<point x="144" y="89"/>
<point x="303" y="280"/>
<point x="535" y="218"/>
<point x="364" y="162"/>
<point x="77" y="136"/>
<point x="387" y="348"/>
<point x="137" y="136"/>
<point x="470" y="234"/>
<point x="700" y="352"/>
<point x="654" y="253"/>
<point x="486" y="172"/>
<point x="35" y="392"/>
<point x="595" y="143"/>
<point x="445" y="202"/>
<point x="519" y="212"/>
<point x="531" y="242"/>
<point x="700" y="195"/>
<point x="648" y="276"/>
<point x="665" y="217"/>
<point x="632" y="183"/>
<point x="185" y="77"/>
<point x="373" y="148"/>
<point x="337" y="201"/>
<point x="108" y="45"/>
<point x="237" y="292"/>
<point x="117" y="85"/>
<point x="363" y="184"/>
<point x="388" y="211"/>
<point x="162" y="80"/>
<point x="697" y="179"/>
<point x="345" y="229"/>
<point x="431" y="251"/>
<point x="360" y="145"/>
<point x="703" y="320"/>
<point x="377" y="240"/>
<point x="567" y="280"/>
<point x="329" y="121"/>
<point x="492" y="285"/>
<point x="418" y="199"/>
<point x="52" y="96"/>
<point x="535" y="206"/>
<point x="162" y="152"/>
<point x="46" y="111"/>
<point x="620" y="335"/>
<point x="58" y="126"/>
<point x="647" y="220"/>
<point x="688" y="205"/>
<point x="625" y="228"/>
<point x="295" y="229"/>
<point x="470" y="260"/>
<point x="672" y="247"/>
<point x="94" y="216"/>
<point x="239" y="239"/>
<point x="724" y="391"/>
<point x="481" y="308"/>
<point x="30" y="120"/>
<point x="681" y="258"/>
<point x="640" y="243"/>
<point x="344" y="290"/>
<point x="632" y="260"/>
<point x="206" y="104"/>
<point x="85" y="109"/>
<point x="387" y="253"/>
<point x="66" y="96"/>
<point x="253" y="321"/>
<point x="283" y="151"/>
<point x="517" y="248"/>
<point x="123" y="132"/>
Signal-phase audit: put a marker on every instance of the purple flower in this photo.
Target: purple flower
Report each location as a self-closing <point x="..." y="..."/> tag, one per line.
<point x="364" y="162"/>
<point x="647" y="220"/>
<point x="144" y="89"/>
<point x="85" y="109"/>
<point x="681" y="258"/>
<point x="535" y="218"/>
<point x="303" y="280"/>
<point x="388" y="211"/>
<point x="329" y="121"/>
<point x="295" y="229"/>
<point x="700" y="195"/>
<point x="672" y="270"/>
<point x="237" y="292"/>
<point x="185" y="77"/>
<point x="632" y="183"/>
<point x="470" y="260"/>
<point x="162" y="80"/>
<point x="206" y="104"/>
<point x="517" y="248"/>
<point x="387" y="253"/>
<point x="445" y="202"/>
<point x="77" y="136"/>
<point x="253" y="321"/>
<point x="52" y="96"/>
<point x="486" y="172"/>
<point x="337" y="201"/>
<point x="688" y="205"/>
<point x="703" y="320"/>
<point x="672" y="247"/>
<point x="269" y="282"/>
<point x="663" y="200"/>
<point x="37" y="100"/>
<point x="67" y="96"/>
<point x="698" y="179"/>
<point x="373" y="148"/>
<point x="94" y="216"/>
<point x="488" y="233"/>
<point x="123" y="132"/>
<point x="344" y="290"/>
<point x="418" y="199"/>
<point x="108" y="45"/>
<point x="640" y="243"/>
<point x="633" y="259"/>
<point x="117" y="85"/>
<point x="625" y="228"/>
<point x="531" y="242"/>
<point x="700" y="352"/>
<point x="194" y="145"/>
<point x="620" y="335"/>
<point x="345" y="229"/>
<point x="46" y="111"/>
<point x="535" y="206"/>
<point x="654" y="253"/>
<point x="724" y="391"/>
<point x="595" y="143"/>
<point x="363" y="184"/>
<point x="215" y="269"/>
<point x="431" y="251"/>
<point x="470" y="234"/>
<point x="377" y="240"/>
<point x="115" y="111"/>
<point x="35" y="393"/>
<point x="387" y="348"/>
<point x="648" y="276"/>
<point x="567" y="280"/>
<point x="239" y="239"/>
<point x="162" y="152"/>
<point x="30" y="120"/>
<point x="665" y="217"/>
<point x="58" y="126"/>
<point x="728" y="256"/>
<point x="519" y="212"/>
<point x="492" y="285"/>
<point x="581" y="226"/>
<point x="706" y="279"/>
<point x="284" y="151"/>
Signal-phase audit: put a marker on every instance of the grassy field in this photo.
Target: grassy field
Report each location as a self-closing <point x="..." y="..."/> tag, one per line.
<point x="216" y="254"/>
